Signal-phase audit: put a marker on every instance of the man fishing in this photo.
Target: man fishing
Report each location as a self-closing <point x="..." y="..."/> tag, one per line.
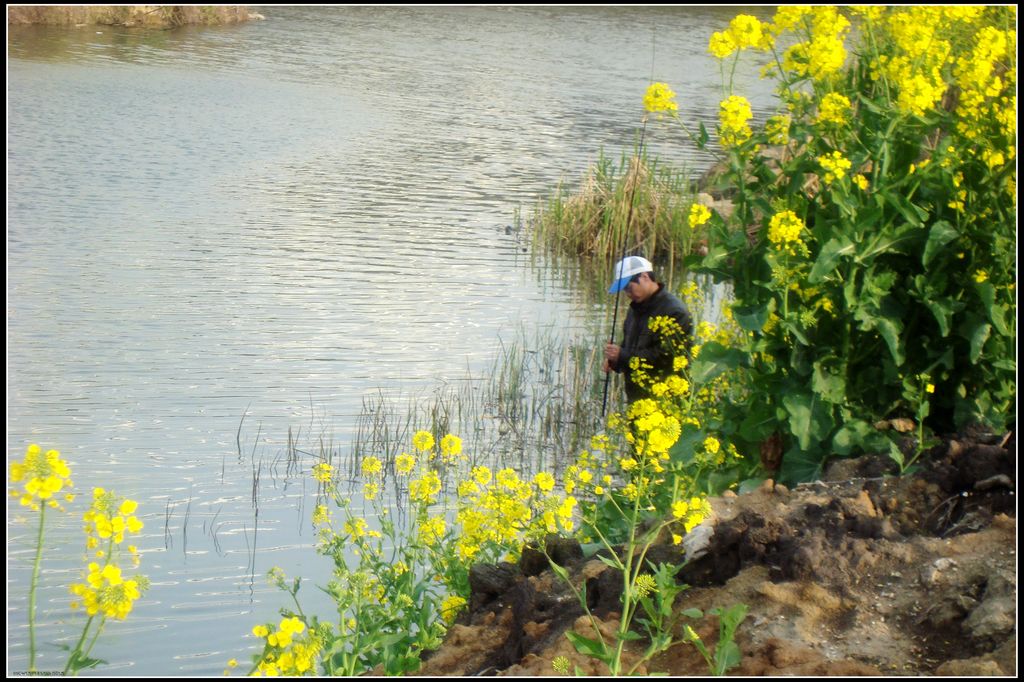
<point x="649" y="298"/>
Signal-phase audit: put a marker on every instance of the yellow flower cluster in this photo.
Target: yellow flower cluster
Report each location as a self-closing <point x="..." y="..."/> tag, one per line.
<point x="105" y="589"/>
<point x="691" y="512"/>
<point x="44" y="476"/>
<point x="451" y="447"/>
<point x="425" y="488"/>
<point x="110" y="517"/>
<point x="286" y="651"/>
<point x="654" y="433"/>
<point x="659" y="98"/>
<point x="823" y="53"/>
<point x="835" y="166"/>
<point x="987" y="76"/>
<point x="744" y="32"/>
<point x="373" y="471"/>
<point x="322" y="472"/>
<point x="502" y="509"/>
<point x="834" y="108"/>
<point x="644" y="585"/>
<point x="432" y="531"/>
<point x="423" y="441"/>
<point x="450" y="608"/>
<point x="404" y="464"/>
<point x="733" y="115"/>
<point x="699" y="214"/>
<point x="784" y="229"/>
<point x="777" y="129"/>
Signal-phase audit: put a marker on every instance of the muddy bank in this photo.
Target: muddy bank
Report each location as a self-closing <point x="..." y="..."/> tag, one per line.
<point x="863" y="573"/>
<point x="131" y="16"/>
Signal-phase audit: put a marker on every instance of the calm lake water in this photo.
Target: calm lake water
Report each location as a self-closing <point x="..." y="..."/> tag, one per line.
<point x="216" y="235"/>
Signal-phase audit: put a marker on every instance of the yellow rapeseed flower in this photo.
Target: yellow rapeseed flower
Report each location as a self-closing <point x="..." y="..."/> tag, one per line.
<point x="835" y="166"/>
<point x="372" y="466"/>
<point x="699" y="214"/>
<point x="322" y="472"/>
<point x="45" y="475"/>
<point x="777" y="129"/>
<point x="660" y="98"/>
<point x="451" y="446"/>
<point x="834" y="108"/>
<point x="733" y="115"/>
<point x="785" y="227"/>
<point x="544" y="481"/>
<point x="405" y="463"/>
<point x="423" y="441"/>
<point x="450" y="607"/>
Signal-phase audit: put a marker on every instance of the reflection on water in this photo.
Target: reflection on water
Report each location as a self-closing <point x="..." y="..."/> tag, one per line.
<point x="216" y="236"/>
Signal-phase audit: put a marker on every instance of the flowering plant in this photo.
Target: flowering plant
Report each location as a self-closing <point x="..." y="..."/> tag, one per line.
<point x="105" y="592"/>
<point x="874" y="222"/>
<point x="401" y="576"/>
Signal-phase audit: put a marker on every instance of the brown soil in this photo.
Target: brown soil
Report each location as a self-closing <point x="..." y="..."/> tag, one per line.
<point x="863" y="573"/>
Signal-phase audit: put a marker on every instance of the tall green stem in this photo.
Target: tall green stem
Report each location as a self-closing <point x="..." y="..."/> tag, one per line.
<point x="76" y="652"/>
<point x="32" y="592"/>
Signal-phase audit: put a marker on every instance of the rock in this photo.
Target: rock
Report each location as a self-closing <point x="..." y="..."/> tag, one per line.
<point x="973" y="667"/>
<point x="995" y="616"/>
<point x="563" y="551"/>
<point x="490" y="580"/>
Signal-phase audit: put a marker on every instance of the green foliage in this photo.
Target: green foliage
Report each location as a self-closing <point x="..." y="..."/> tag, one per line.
<point x="727" y="653"/>
<point x="874" y="222"/>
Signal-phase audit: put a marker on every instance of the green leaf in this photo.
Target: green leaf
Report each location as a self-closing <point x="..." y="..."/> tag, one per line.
<point x="896" y="455"/>
<point x="857" y="435"/>
<point x="827" y="383"/>
<point x="810" y="419"/>
<point x="559" y="571"/>
<point x="976" y="330"/>
<point x="828" y="258"/>
<point x="940" y="234"/>
<point x="796" y="329"/>
<point x="693" y="613"/>
<point x="915" y="215"/>
<point x="714" y="359"/>
<point x="702" y="136"/>
<point x="942" y="309"/>
<point x="758" y="422"/>
<point x="995" y="310"/>
<point x="800" y="465"/>
<point x="890" y="329"/>
<point x="886" y="242"/>
<point x="727" y="656"/>
<point x="752" y="318"/>
<point x="587" y="646"/>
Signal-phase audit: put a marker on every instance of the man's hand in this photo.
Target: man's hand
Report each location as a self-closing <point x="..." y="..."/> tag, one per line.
<point x="611" y="355"/>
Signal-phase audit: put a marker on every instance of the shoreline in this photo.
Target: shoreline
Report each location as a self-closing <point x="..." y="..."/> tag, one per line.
<point x="161" y="17"/>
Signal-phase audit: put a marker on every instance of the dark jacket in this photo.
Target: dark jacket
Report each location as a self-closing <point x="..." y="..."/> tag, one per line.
<point x="639" y="341"/>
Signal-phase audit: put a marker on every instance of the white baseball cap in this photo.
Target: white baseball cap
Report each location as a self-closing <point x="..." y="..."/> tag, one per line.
<point x="626" y="268"/>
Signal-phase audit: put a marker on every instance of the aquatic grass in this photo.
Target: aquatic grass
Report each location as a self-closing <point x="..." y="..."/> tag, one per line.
<point x="590" y="221"/>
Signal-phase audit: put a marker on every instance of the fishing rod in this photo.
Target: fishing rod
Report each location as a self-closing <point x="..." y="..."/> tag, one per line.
<point x="622" y="252"/>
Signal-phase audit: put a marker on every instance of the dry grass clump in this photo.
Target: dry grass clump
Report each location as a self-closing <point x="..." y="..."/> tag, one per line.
<point x="592" y="221"/>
